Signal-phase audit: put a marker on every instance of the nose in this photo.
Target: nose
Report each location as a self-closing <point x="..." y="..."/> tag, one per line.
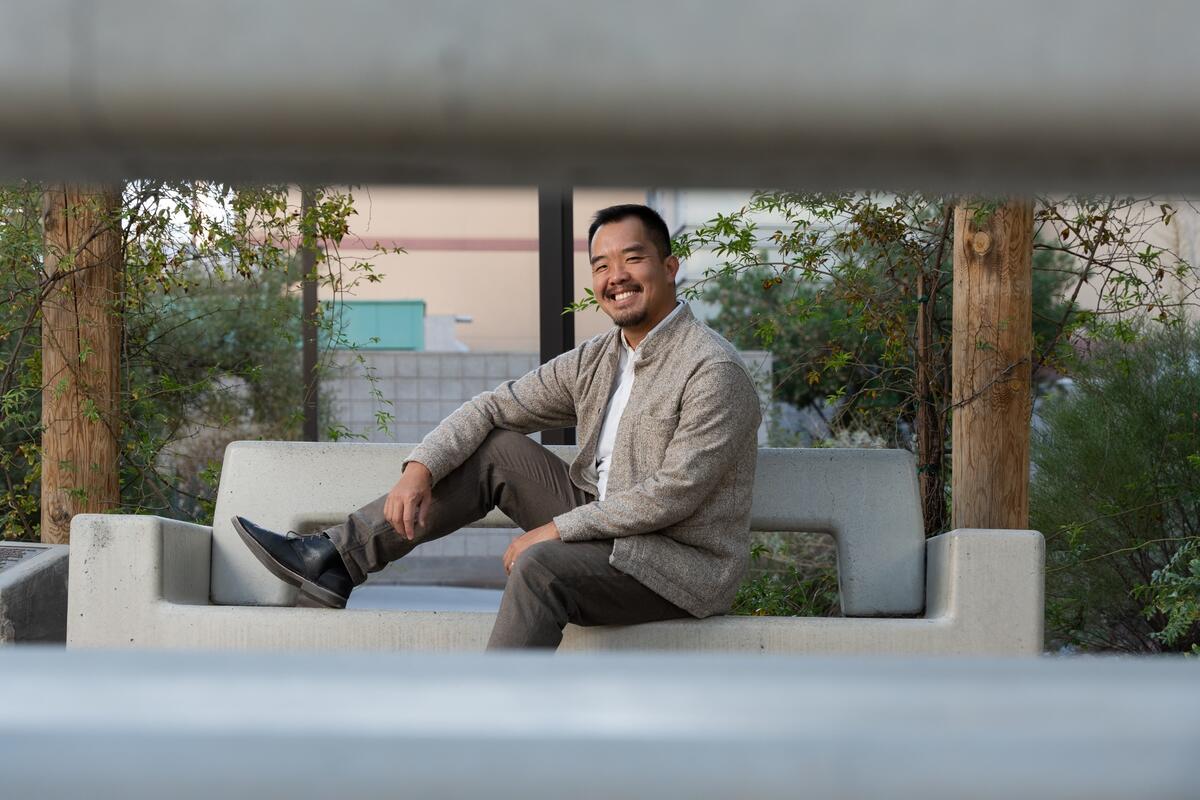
<point x="618" y="273"/>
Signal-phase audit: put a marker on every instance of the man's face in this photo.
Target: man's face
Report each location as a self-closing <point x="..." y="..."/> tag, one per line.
<point x="633" y="284"/>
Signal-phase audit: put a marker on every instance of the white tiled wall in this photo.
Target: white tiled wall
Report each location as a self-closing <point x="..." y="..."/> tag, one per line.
<point x="424" y="388"/>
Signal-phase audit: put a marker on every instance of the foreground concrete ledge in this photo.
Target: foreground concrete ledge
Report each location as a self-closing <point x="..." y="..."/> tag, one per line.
<point x="605" y="726"/>
<point x="1074" y="94"/>
<point x="33" y="595"/>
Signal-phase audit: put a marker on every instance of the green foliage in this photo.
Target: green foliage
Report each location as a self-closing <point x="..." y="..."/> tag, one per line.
<point x="778" y="586"/>
<point x="788" y="594"/>
<point x="1116" y="489"/>
<point x="1174" y="595"/>
<point x="210" y="315"/>
<point x="836" y="288"/>
<point x="835" y="296"/>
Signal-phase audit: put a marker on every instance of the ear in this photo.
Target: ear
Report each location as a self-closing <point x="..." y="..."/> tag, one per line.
<point x="672" y="265"/>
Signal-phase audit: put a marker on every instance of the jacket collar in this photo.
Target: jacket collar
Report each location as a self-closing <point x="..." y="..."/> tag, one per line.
<point x="662" y="337"/>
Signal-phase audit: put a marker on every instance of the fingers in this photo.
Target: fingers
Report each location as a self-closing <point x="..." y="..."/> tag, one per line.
<point x="409" y="517"/>
<point x="389" y="511"/>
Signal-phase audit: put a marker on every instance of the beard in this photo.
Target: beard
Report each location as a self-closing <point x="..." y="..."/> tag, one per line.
<point x="629" y="317"/>
<point x="634" y="315"/>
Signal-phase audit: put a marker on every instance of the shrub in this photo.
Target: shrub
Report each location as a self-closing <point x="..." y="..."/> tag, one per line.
<point x="1116" y="490"/>
<point x="785" y="584"/>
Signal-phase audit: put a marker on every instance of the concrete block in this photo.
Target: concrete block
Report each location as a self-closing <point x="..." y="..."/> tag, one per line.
<point x="405" y="412"/>
<point x="474" y="365"/>
<point x="495" y="542"/>
<point x="497" y="367"/>
<point x="412" y="434"/>
<point x="427" y="365"/>
<point x="430" y="411"/>
<point x="520" y="363"/>
<point x="358" y="389"/>
<point x="450" y="389"/>
<point x="474" y="541"/>
<point x="406" y="389"/>
<point x="404" y="365"/>
<point x="450" y="365"/>
<point x="427" y="389"/>
<point x="487" y="572"/>
<point x="454" y="545"/>
<point x="33" y="593"/>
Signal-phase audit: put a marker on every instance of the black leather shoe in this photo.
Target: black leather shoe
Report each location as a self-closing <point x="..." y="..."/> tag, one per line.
<point x="311" y="563"/>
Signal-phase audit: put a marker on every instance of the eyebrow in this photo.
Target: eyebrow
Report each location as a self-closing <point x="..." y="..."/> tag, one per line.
<point x="633" y="248"/>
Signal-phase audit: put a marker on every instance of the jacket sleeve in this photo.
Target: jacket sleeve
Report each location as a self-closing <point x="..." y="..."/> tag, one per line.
<point x="538" y="400"/>
<point x="719" y="414"/>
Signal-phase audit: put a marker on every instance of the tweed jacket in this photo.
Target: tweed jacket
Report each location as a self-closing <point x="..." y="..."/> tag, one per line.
<point x="677" y="505"/>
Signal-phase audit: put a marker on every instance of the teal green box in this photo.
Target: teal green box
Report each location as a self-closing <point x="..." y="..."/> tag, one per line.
<point x="379" y="324"/>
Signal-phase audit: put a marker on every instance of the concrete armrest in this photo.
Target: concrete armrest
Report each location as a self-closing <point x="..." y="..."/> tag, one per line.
<point x="991" y="585"/>
<point x="121" y="562"/>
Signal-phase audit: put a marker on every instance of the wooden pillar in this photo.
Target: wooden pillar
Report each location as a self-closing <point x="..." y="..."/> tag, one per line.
<point x="993" y="341"/>
<point x="81" y="336"/>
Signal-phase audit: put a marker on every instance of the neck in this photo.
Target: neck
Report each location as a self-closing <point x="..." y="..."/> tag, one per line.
<point x="634" y="334"/>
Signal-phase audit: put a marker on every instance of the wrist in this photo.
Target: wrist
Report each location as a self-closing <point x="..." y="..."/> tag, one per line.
<point x="417" y="470"/>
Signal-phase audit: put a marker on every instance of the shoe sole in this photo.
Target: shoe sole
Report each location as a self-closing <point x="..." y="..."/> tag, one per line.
<point x="311" y="595"/>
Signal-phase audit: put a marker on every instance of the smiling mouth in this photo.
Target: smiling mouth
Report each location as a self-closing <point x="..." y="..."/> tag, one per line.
<point x="623" y="295"/>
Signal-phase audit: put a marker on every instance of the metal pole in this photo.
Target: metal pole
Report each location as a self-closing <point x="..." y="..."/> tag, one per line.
<point x="308" y="325"/>
<point x="556" y="285"/>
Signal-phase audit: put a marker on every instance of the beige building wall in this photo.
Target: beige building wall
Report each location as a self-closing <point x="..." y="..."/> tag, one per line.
<point x="470" y="252"/>
<point x="1180" y="240"/>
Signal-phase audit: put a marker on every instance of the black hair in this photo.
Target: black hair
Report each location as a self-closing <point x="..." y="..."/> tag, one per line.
<point x="655" y="226"/>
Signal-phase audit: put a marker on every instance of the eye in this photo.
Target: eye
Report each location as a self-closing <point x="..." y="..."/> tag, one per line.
<point x="599" y="267"/>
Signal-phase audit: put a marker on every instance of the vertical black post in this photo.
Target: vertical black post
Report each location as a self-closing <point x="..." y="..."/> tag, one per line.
<point x="556" y="285"/>
<point x="308" y="324"/>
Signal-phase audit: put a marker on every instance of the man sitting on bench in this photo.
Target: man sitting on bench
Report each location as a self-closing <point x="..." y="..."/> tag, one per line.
<point x="652" y="519"/>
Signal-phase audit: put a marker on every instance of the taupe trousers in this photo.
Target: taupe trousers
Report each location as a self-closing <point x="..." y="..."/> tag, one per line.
<point x="552" y="582"/>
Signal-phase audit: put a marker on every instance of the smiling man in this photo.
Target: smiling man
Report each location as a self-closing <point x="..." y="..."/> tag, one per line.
<point x="651" y="520"/>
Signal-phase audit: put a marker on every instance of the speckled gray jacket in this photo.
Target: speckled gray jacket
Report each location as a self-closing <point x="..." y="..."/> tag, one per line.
<point x="682" y="471"/>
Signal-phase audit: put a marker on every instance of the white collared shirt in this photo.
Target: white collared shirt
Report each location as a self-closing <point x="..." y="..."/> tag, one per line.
<point x="617" y="402"/>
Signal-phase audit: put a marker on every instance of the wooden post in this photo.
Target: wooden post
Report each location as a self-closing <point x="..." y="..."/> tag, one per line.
<point x="993" y="341"/>
<point x="81" y="337"/>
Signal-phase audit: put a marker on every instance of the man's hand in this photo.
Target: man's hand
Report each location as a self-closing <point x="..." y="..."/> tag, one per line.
<point x="523" y="542"/>
<point x="407" y="504"/>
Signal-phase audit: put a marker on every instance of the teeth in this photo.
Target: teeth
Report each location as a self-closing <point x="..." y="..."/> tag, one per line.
<point x="622" y="295"/>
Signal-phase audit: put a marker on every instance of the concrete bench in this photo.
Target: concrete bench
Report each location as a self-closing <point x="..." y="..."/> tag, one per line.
<point x="154" y="582"/>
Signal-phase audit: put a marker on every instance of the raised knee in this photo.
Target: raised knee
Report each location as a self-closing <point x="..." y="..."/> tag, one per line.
<point x="532" y="561"/>
<point x="499" y="437"/>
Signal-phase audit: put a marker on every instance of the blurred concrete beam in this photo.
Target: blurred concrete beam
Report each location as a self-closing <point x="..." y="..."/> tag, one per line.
<point x="229" y="725"/>
<point x="1079" y="94"/>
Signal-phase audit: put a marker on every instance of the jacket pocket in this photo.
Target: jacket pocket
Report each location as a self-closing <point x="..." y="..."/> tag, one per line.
<point x="650" y="445"/>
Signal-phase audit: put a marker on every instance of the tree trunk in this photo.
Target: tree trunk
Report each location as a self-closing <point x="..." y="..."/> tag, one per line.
<point x="930" y="421"/>
<point x="81" y="334"/>
<point x="993" y="343"/>
<point x="308" y="327"/>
